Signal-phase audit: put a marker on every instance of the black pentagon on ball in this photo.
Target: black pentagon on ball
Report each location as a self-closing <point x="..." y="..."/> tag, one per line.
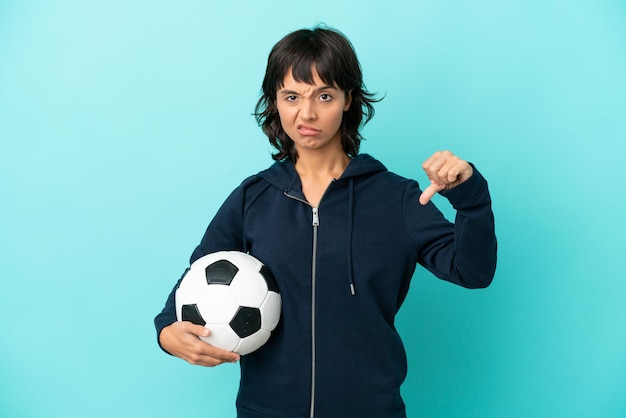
<point x="191" y="313"/>
<point x="272" y="285"/>
<point x="220" y="272"/>
<point x="246" y="321"/>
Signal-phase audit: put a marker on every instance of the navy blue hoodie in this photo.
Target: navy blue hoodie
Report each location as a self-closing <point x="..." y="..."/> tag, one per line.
<point x="343" y="270"/>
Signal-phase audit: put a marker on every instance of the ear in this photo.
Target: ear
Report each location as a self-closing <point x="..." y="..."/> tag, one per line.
<point x="348" y="101"/>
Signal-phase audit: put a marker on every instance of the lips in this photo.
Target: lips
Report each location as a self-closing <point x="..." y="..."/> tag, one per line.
<point x="306" y="130"/>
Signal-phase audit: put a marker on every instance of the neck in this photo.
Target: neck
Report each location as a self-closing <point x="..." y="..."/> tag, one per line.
<point x="322" y="165"/>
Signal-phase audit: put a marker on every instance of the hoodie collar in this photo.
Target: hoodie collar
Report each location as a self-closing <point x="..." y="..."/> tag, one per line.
<point x="283" y="175"/>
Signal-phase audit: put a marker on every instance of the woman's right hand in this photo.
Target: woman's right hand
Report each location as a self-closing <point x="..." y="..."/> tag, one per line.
<point x="182" y="339"/>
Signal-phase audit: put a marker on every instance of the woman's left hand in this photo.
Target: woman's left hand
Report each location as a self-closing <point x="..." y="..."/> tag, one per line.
<point x="445" y="171"/>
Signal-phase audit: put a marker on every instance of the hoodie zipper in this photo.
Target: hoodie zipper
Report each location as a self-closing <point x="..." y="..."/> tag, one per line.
<point x="315" y="223"/>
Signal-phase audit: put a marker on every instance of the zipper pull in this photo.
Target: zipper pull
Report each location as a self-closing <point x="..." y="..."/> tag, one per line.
<point x="316" y="218"/>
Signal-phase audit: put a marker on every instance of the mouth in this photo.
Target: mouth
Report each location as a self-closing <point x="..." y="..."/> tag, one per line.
<point x="306" y="130"/>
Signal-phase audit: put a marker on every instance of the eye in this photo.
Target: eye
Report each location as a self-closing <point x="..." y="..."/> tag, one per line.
<point x="325" y="97"/>
<point x="290" y="98"/>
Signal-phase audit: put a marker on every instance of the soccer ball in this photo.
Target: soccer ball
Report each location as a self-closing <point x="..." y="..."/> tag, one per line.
<point x="235" y="296"/>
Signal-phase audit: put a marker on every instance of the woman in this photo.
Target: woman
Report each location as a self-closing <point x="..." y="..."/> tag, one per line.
<point x="342" y="236"/>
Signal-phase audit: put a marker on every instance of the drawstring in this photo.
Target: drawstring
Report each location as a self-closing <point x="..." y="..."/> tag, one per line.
<point x="350" y="210"/>
<point x="294" y="194"/>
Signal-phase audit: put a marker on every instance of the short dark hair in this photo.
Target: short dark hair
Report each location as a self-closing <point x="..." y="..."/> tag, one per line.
<point x="331" y="55"/>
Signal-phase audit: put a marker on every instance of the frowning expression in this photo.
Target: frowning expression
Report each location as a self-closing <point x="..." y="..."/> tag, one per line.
<point x="311" y="114"/>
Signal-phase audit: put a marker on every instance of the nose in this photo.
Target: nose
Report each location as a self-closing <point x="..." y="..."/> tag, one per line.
<point x="307" y="110"/>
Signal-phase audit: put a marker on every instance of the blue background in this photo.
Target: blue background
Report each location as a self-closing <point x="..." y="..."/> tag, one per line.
<point x="124" y="125"/>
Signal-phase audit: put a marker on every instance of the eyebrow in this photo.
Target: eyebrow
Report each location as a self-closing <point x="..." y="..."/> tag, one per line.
<point x="290" y="92"/>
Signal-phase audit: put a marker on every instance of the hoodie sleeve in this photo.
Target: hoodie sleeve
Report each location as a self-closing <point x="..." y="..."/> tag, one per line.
<point x="465" y="252"/>
<point x="224" y="233"/>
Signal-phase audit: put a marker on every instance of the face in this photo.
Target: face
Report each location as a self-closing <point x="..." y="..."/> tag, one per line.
<point x="311" y="114"/>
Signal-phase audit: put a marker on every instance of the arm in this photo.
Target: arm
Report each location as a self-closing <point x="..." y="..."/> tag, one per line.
<point x="181" y="339"/>
<point x="465" y="252"/>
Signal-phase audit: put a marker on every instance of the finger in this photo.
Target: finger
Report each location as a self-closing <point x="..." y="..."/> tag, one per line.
<point x="199" y="351"/>
<point x="429" y="161"/>
<point x="223" y="355"/>
<point x="211" y="350"/>
<point x="429" y="192"/>
<point x="199" y="330"/>
<point x="435" y="166"/>
<point x="446" y="172"/>
<point x="447" y="169"/>
<point x="449" y="172"/>
<point x="204" y="354"/>
<point x="457" y="171"/>
<point x="210" y="360"/>
<point x="206" y="360"/>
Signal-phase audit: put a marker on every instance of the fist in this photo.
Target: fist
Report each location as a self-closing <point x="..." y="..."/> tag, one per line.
<point x="445" y="171"/>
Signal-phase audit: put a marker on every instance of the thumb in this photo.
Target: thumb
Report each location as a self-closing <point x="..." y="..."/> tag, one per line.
<point x="429" y="192"/>
<point x="199" y="330"/>
<point x="203" y="331"/>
